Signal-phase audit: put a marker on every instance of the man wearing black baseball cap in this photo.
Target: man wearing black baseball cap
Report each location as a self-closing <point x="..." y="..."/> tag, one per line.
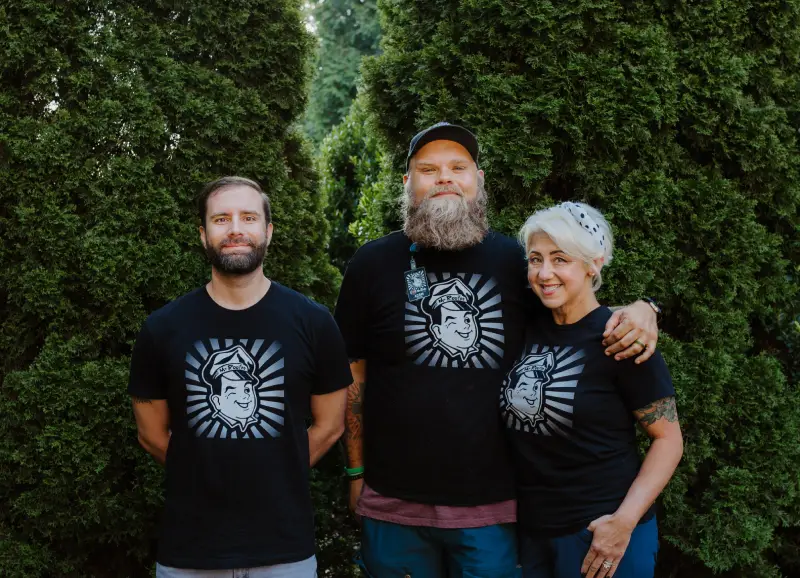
<point x="432" y="479"/>
<point x="446" y="132"/>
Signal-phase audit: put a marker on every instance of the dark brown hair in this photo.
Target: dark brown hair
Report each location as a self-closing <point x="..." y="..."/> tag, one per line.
<point x="213" y="186"/>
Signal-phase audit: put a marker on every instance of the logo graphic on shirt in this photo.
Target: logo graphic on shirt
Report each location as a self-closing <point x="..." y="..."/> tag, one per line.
<point x="232" y="391"/>
<point x="460" y="324"/>
<point x="539" y="392"/>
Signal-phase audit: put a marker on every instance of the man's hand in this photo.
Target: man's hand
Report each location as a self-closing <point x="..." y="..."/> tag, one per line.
<point x="632" y="330"/>
<point x="356" y="487"/>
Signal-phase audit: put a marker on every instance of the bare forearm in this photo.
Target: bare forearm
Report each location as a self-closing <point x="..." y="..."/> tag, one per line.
<point x="354" y="425"/>
<point x="659" y="465"/>
<point x="320" y="440"/>
<point x="156" y="446"/>
<point x="152" y="425"/>
<point x="618" y="307"/>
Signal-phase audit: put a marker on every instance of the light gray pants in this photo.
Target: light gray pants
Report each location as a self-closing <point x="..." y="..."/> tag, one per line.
<point x="304" y="569"/>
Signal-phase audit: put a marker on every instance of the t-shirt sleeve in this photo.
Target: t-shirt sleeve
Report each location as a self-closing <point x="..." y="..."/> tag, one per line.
<point x="332" y="366"/>
<point x="147" y="379"/>
<point x="351" y="308"/>
<point x="642" y="384"/>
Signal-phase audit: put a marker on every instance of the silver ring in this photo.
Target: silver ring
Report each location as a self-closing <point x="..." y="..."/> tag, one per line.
<point x="607" y="564"/>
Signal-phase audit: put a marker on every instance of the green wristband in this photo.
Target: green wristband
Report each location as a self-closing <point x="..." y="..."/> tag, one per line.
<point x="352" y="472"/>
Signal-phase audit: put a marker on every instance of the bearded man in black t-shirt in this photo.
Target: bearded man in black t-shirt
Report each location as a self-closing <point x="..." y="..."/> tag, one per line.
<point x="223" y="380"/>
<point x="432" y="317"/>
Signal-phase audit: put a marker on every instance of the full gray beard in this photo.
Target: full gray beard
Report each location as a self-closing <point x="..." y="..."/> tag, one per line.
<point x="449" y="225"/>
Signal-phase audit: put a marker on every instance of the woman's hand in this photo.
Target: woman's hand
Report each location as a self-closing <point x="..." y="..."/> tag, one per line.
<point x="611" y="538"/>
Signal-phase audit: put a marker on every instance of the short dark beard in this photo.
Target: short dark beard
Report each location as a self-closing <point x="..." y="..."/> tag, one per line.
<point x="450" y="227"/>
<point x="236" y="264"/>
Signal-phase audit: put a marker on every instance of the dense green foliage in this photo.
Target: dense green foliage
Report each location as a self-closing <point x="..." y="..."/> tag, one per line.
<point x="678" y="119"/>
<point x="349" y="166"/>
<point x="112" y="114"/>
<point x="347" y="31"/>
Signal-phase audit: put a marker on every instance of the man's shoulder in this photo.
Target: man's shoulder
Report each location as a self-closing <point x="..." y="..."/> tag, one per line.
<point x="499" y="241"/>
<point x="395" y="242"/>
<point x="291" y="298"/>
<point x="185" y="304"/>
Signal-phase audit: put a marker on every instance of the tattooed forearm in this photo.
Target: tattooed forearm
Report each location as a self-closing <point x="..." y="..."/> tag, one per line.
<point x="141" y="399"/>
<point x="650" y="414"/>
<point x="354" y="424"/>
<point x="354" y="414"/>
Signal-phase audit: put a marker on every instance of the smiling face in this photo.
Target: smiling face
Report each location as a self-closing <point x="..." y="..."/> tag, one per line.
<point x="526" y="396"/>
<point x="457" y="327"/>
<point x="444" y="200"/>
<point x="557" y="279"/>
<point x="236" y="399"/>
<point x="236" y="234"/>
<point x="442" y="172"/>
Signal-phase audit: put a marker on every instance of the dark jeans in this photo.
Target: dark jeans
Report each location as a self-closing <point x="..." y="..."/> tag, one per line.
<point x="562" y="557"/>
<point x="396" y="551"/>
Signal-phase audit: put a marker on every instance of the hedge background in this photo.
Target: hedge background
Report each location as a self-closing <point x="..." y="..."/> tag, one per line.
<point x="346" y="30"/>
<point x="679" y="119"/>
<point x="112" y="115"/>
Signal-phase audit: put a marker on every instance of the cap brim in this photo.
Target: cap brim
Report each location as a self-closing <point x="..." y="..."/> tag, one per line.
<point x="242" y="375"/>
<point x="450" y="132"/>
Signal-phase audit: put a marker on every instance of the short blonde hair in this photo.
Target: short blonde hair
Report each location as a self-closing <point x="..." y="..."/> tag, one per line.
<point x="577" y="229"/>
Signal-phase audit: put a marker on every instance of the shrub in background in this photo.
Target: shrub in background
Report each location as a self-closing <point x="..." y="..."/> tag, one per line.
<point x="112" y="115"/>
<point x="349" y="164"/>
<point x="347" y="30"/>
<point x="679" y="120"/>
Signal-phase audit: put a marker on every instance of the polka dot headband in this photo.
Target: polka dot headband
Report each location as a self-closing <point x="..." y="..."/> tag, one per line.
<point x="584" y="220"/>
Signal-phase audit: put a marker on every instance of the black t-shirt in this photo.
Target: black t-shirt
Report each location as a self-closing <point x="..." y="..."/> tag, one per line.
<point x="434" y="366"/>
<point x="568" y="409"/>
<point x="238" y="386"/>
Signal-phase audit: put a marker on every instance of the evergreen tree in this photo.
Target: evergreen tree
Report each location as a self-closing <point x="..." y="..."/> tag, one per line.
<point x="347" y="31"/>
<point x="679" y="120"/>
<point x="112" y="115"/>
<point x="350" y="163"/>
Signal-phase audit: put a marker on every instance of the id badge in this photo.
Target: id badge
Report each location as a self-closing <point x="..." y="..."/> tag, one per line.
<point x="417" y="284"/>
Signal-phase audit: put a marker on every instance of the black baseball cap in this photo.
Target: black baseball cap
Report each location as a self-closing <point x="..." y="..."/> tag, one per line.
<point x="444" y="131"/>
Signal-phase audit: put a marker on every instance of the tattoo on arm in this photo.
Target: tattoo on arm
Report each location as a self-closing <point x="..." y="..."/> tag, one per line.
<point x="140" y="400"/>
<point x="355" y="416"/>
<point x="650" y="414"/>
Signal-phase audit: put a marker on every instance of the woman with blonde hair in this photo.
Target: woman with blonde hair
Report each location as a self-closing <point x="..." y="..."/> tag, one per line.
<point x="585" y="500"/>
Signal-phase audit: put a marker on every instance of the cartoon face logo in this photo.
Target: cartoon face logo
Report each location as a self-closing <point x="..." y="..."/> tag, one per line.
<point x="526" y="387"/>
<point x="456" y="327"/>
<point x="452" y="318"/>
<point x="230" y="376"/>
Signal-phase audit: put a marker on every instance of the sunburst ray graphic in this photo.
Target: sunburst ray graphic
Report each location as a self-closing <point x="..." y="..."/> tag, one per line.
<point x="235" y="389"/>
<point x="538" y="394"/>
<point x="459" y="325"/>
